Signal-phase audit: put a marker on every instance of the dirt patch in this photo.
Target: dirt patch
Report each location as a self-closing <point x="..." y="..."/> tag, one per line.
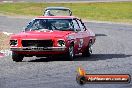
<point x="4" y="41"/>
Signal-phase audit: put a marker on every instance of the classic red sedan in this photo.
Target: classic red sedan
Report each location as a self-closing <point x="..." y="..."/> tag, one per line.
<point x="52" y="35"/>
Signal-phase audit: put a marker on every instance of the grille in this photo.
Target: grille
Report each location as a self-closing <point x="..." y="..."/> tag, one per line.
<point x="37" y="43"/>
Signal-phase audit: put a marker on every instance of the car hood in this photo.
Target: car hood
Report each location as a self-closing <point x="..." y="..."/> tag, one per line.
<point x="41" y="34"/>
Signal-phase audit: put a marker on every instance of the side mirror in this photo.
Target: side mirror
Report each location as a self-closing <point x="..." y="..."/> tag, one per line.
<point x="23" y="29"/>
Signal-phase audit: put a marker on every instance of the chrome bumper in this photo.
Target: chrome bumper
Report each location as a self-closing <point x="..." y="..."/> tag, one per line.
<point x="37" y="48"/>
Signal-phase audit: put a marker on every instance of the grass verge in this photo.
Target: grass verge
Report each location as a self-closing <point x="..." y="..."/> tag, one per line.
<point x="4" y="41"/>
<point x="112" y="11"/>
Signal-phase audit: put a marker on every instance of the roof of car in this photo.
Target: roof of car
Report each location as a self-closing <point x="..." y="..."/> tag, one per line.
<point x="59" y="17"/>
<point x="56" y="8"/>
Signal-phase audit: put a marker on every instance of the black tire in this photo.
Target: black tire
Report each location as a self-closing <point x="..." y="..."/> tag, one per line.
<point x="70" y="54"/>
<point x="17" y="57"/>
<point x="88" y="51"/>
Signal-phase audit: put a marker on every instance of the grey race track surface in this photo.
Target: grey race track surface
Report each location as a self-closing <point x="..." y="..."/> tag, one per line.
<point x="62" y="0"/>
<point x="112" y="53"/>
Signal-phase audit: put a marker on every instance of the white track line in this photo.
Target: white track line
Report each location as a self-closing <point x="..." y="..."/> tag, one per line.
<point x="6" y="33"/>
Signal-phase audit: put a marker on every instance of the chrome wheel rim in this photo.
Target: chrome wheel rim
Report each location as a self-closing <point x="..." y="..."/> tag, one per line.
<point x="71" y="52"/>
<point x="90" y="48"/>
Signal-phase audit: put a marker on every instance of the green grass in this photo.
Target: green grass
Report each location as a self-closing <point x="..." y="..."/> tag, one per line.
<point x="114" y="11"/>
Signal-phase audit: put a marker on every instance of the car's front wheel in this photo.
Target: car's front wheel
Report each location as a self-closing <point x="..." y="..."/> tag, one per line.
<point x="70" y="53"/>
<point x="88" y="50"/>
<point x="17" y="57"/>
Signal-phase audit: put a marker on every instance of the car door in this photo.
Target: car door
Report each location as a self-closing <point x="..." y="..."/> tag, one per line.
<point x="78" y="37"/>
<point x="84" y="34"/>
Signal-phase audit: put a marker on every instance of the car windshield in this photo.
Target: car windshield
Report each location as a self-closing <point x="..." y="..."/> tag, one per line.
<point x="50" y="24"/>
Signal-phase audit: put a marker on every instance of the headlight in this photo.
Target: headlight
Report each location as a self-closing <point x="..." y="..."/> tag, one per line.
<point x="13" y="42"/>
<point x="61" y="43"/>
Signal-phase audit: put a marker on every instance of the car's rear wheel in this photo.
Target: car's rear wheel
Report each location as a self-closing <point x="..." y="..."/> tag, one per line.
<point x="88" y="50"/>
<point x="70" y="54"/>
<point x="17" y="57"/>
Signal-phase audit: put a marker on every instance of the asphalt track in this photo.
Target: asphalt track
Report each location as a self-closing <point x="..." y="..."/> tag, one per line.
<point x="66" y="1"/>
<point x="112" y="54"/>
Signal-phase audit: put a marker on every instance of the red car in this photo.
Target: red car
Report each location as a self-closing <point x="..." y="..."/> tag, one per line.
<point x="52" y="35"/>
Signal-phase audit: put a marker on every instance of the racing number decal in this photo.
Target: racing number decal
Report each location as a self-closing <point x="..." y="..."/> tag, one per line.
<point x="81" y="43"/>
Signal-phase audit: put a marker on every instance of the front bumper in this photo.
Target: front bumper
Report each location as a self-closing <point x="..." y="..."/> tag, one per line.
<point x="38" y="49"/>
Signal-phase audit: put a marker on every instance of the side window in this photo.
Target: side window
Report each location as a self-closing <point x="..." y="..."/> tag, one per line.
<point x="76" y="26"/>
<point x="81" y="25"/>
